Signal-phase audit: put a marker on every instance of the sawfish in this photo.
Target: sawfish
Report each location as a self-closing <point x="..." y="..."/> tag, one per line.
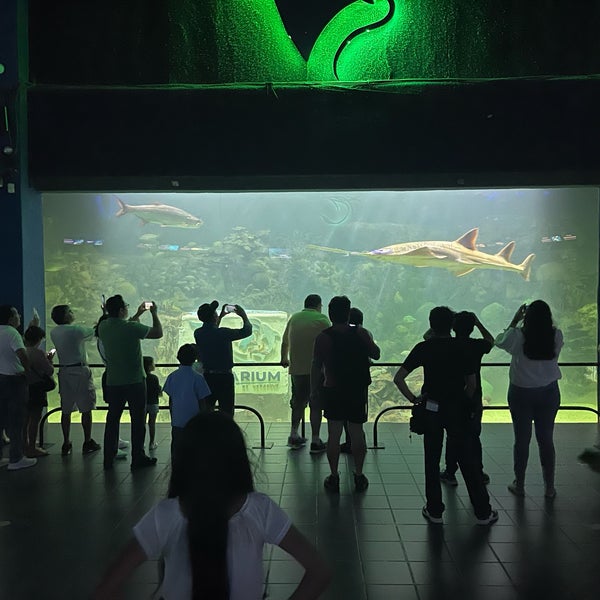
<point x="459" y="257"/>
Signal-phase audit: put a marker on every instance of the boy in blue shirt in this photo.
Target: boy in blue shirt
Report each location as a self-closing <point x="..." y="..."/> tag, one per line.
<point x="187" y="390"/>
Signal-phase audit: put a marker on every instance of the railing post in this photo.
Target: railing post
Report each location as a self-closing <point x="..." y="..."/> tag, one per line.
<point x="263" y="444"/>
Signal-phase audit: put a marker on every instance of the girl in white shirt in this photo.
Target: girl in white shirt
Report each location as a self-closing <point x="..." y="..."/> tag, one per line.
<point x="211" y="529"/>
<point x="533" y="394"/>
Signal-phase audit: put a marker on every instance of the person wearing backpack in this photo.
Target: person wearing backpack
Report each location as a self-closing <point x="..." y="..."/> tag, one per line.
<point x="341" y="361"/>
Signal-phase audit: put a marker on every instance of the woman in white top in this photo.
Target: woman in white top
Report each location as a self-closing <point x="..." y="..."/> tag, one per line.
<point x="533" y="394"/>
<point x="211" y="529"/>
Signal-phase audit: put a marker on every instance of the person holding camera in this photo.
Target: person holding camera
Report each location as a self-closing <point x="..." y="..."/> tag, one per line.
<point x="464" y="324"/>
<point x="215" y="352"/>
<point x="448" y="388"/>
<point x="533" y="393"/>
<point x="125" y="376"/>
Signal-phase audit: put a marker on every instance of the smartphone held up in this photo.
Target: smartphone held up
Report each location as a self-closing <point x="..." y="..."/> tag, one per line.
<point x="148" y="305"/>
<point x="229" y="308"/>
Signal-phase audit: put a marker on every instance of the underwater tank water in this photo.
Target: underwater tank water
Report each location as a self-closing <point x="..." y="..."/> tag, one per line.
<point x="396" y="254"/>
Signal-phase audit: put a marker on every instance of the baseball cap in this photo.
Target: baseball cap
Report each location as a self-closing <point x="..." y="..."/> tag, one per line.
<point x="206" y="311"/>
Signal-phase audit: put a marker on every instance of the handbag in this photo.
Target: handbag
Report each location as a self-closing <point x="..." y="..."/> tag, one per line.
<point x="46" y="382"/>
<point x="418" y="418"/>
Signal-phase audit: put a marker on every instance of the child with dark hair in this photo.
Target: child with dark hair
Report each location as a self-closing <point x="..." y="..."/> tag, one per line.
<point x="213" y="526"/>
<point x="187" y="390"/>
<point x="153" y="391"/>
<point x="40" y="365"/>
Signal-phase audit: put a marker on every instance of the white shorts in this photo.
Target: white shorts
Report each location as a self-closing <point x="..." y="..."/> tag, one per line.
<point x="76" y="389"/>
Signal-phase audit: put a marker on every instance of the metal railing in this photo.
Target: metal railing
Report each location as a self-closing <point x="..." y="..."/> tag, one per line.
<point x="377" y="446"/>
<point x="262" y="446"/>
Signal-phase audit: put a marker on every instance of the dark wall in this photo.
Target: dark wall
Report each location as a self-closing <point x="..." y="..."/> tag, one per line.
<point x="495" y="133"/>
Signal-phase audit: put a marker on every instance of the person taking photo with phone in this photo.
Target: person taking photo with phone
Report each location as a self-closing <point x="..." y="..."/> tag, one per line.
<point x="215" y="352"/>
<point x="533" y="393"/>
<point x="125" y="376"/>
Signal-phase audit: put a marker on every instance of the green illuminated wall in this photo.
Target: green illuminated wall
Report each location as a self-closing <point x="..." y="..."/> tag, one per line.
<point x="237" y="41"/>
<point x="231" y="41"/>
<point x="247" y="41"/>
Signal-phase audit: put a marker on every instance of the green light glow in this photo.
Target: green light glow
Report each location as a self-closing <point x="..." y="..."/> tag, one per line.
<point x="337" y="38"/>
<point x="254" y="43"/>
<point x="232" y="41"/>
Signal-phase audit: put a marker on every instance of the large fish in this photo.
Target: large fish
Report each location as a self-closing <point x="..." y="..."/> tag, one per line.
<point x="160" y="214"/>
<point x="459" y="257"/>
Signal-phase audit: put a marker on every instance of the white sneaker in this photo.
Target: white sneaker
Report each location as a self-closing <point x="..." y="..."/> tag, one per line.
<point x="22" y="464"/>
<point x="153" y="446"/>
<point x="123" y="444"/>
<point x="120" y="455"/>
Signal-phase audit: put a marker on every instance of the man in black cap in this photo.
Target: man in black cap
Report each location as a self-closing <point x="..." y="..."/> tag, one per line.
<point x="216" y="353"/>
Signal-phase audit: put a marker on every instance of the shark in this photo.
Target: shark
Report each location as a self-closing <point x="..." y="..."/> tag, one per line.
<point x="460" y="256"/>
<point x="160" y="214"/>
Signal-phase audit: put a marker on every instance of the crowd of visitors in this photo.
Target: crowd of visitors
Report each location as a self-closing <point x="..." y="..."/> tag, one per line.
<point x="329" y="361"/>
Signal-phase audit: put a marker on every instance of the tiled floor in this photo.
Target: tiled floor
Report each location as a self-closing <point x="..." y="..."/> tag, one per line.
<point x="62" y="521"/>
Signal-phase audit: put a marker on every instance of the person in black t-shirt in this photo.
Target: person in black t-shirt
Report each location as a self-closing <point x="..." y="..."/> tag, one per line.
<point x="449" y="385"/>
<point x="341" y="366"/>
<point x="464" y="323"/>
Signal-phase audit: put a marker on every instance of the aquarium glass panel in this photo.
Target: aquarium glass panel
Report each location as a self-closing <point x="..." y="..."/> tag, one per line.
<point x="396" y="254"/>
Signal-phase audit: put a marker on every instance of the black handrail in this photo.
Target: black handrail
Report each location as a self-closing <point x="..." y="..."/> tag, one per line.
<point x="263" y="445"/>
<point x="376" y="445"/>
<point x="377" y="418"/>
<point x="377" y="364"/>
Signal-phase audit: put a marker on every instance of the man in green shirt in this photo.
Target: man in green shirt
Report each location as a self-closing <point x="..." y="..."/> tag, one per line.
<point x="296" y="353"/>
<point x="125" y="376"/>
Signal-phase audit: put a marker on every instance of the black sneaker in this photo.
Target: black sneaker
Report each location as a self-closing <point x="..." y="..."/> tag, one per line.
<point x="89" y="447"/>
<point x="361" y="483"/>
<point x="295" y="442"/>
<point x="332" y="484"/>
<point x="318" y="447"/>
<point x="489" y="520"/>
<point x="430" y="517"/>
<point x="448" y="478"/>
<point x="66" y="449"/>
<point x="142" y="463"/>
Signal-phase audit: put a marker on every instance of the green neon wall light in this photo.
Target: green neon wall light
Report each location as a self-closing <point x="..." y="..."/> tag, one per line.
<point x="348" y="39"/>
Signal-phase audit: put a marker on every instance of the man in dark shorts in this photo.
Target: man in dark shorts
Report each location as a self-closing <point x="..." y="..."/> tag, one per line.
<point x="341" y="361"/>
<point x="448" y="388"/>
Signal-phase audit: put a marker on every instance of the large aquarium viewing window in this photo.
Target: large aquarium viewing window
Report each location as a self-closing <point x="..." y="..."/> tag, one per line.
<point x="395" y="254"/>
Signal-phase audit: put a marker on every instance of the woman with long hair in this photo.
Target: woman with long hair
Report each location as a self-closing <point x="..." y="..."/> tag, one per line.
<point x="533" y="393"/>
<point x="211" y="529"/>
